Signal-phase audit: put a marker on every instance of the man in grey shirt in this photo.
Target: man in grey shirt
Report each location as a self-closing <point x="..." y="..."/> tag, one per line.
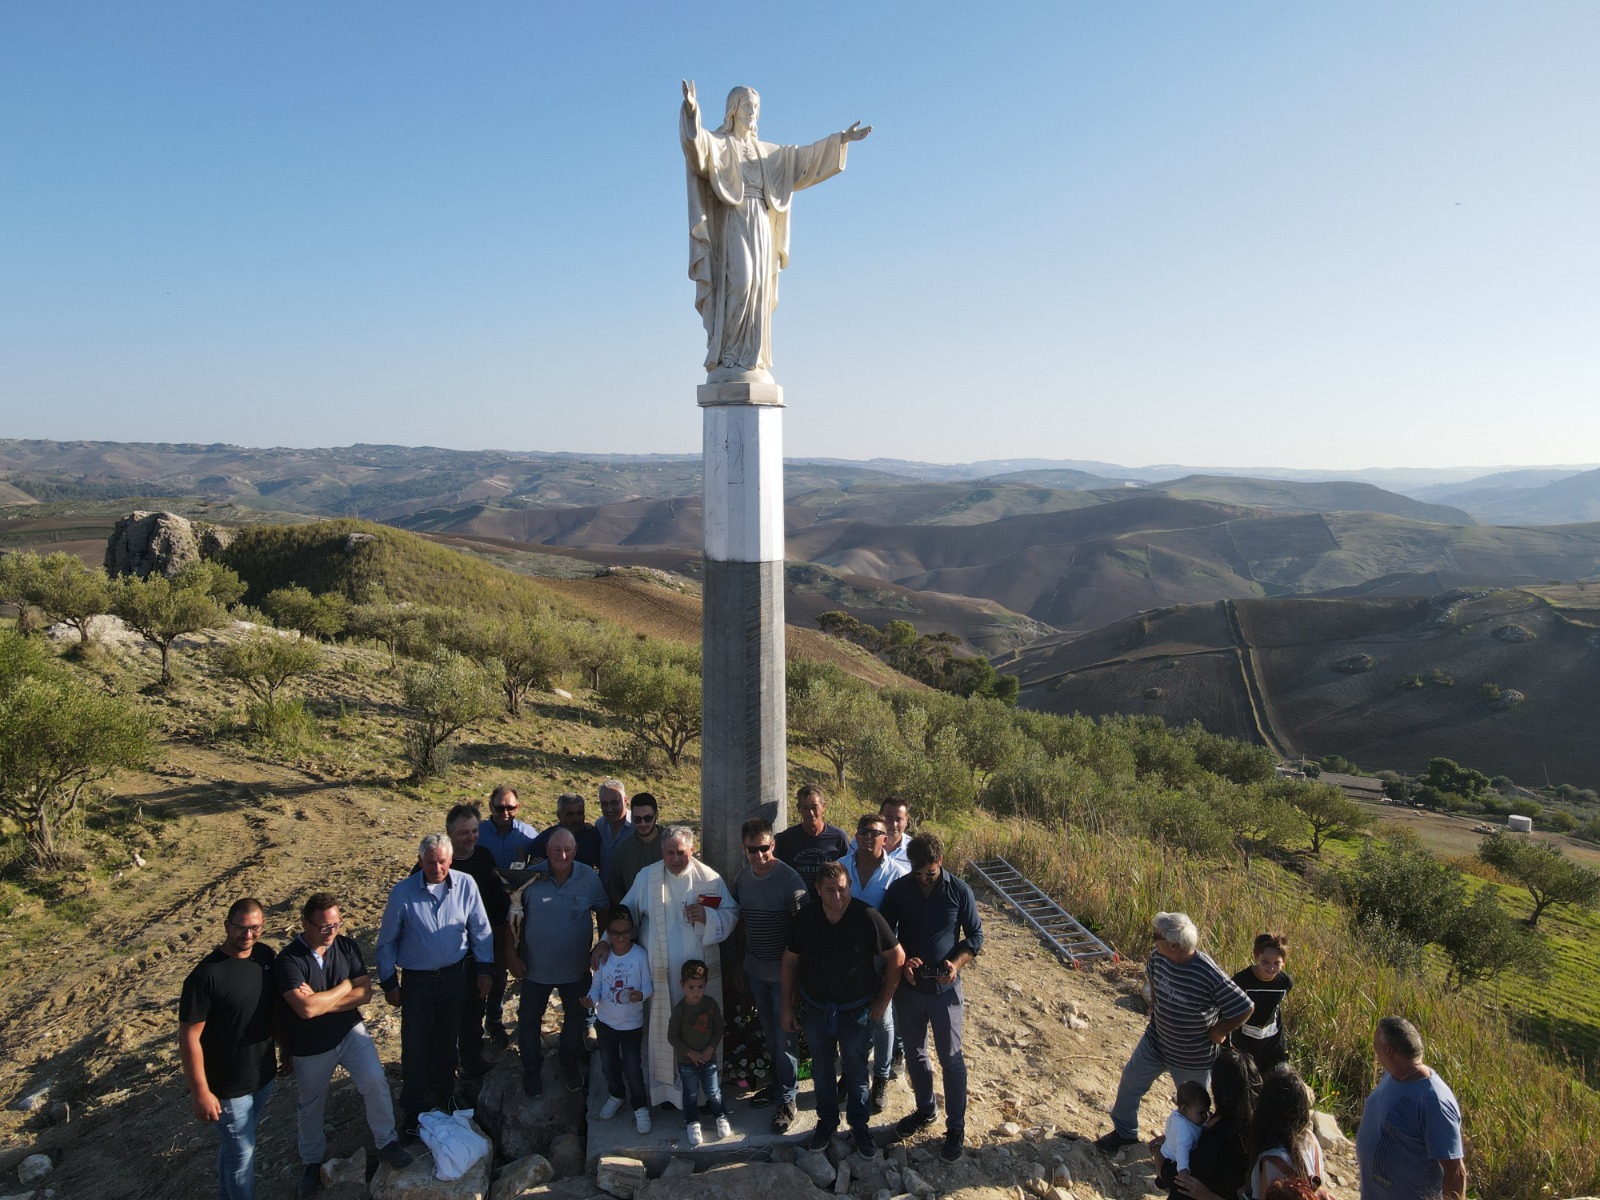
<point x="769" y="893"/>
<point x="558" y="916"/>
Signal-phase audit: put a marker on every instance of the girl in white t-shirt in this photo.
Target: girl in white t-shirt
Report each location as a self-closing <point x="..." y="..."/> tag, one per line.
<point x="617" y="993"/>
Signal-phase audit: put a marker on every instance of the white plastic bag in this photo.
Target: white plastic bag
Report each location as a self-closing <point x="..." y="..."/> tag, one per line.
<point x="455" y="1144"/>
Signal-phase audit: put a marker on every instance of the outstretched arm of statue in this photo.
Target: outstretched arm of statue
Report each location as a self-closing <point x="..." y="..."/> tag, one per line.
<point x="691" y="106"/>
<point x="855" y="133"/>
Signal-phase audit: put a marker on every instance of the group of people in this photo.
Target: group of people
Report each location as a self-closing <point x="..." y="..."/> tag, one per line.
<point x="1241" y="1126"/>
<point x="859" y="943"/>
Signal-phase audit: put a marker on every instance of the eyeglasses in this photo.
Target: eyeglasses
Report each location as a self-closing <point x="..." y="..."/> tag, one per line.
<point x="871" y="833"/>
<point x="504" y="807"/>
<point x="625" y="932"/>
<point x="642" y="819"/>
<point x="327" y="928"/>
<point x="253" y="930"/>
<point x="927" y="873"/>
<point x="757" y="851"/>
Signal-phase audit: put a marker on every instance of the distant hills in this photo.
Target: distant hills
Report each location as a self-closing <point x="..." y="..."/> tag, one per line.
<point x="1386" y="682"/>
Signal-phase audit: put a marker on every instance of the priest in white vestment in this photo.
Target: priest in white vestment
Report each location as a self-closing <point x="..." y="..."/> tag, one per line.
<point x="683" y="910"/>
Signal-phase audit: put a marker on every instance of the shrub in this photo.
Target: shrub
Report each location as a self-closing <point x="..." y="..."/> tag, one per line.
<point x="1548" y="875"/>
<point x="264" y="662"/>
<point x="319" y="616"/>
<point x="656" y="695"/>
<point x="163" y="609"/>
<point x="286" y="725"/>
<point x="445" y="695"/>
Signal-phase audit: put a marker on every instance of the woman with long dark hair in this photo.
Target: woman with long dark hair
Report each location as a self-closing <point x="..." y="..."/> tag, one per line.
<point x="1282" y="1145"/>
<point x="1220" y="1160"/>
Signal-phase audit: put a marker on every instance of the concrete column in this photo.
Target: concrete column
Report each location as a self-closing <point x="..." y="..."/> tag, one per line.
<point x="744" y="753"/>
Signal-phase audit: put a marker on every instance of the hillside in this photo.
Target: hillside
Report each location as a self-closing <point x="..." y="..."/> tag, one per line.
<point x="1388" y="682"/>
<point x="1324" y="497"/>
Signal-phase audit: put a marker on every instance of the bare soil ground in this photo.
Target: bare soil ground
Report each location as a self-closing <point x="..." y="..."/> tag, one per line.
<point x="89" y="1007"/>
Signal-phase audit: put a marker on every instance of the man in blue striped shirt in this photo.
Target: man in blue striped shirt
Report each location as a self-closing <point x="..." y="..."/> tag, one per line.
<point x="1194" y="1006"/>
<point x="431" y="921"/>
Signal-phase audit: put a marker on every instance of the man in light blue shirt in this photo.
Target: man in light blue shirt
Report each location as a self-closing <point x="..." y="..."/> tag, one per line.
<point x="1409" y="1141"/>
<point x="430" y="923"/>
<point x="871" y="871"/>
<point x="613" y="825"/>
<point x="507" y="839"/>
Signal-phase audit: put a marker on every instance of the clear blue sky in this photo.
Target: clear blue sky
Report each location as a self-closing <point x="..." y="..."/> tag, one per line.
<point x="1336" y="235"/>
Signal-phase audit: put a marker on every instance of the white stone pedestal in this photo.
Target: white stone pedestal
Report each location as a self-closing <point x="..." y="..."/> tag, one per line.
<point x="743" y="739"/>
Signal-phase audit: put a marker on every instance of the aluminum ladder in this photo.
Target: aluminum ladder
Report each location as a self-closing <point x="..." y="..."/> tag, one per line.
<point x="1065" y="934"/>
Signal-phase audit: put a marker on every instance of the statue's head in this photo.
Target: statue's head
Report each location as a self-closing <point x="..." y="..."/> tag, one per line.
<point x="743" y="109"/>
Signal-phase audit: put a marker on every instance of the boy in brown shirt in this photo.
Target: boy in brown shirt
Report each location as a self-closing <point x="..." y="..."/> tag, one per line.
<point x="695" y="1032"/>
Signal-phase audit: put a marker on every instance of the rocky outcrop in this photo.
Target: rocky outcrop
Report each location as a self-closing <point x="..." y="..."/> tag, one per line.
<point x="163" y="542"/>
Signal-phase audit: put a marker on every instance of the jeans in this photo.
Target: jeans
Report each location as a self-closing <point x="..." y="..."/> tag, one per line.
<point x="622" y="1059"/>
<point x="915" y="1013"/>
<point x="784" y="1047"/>
<point x="883" y="1045"/>
<point x="530" y="1016"/>
<point x="430" y="1024"/>
<point x="691" y="1078"/>
<point x="1144" y="1067"/>
<point x="313" y="1072"/>
<point x="236" y="1155"/>
<point x="850" y="1041"/>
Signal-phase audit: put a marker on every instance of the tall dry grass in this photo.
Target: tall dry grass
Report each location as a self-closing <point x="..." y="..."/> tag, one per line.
<point x="1532" y="1129"/>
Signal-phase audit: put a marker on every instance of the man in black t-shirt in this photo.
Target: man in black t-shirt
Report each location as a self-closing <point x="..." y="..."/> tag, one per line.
<point x="225" y="1041"/>
<point x="840" y="969"/>
<point x="812" y="842"/>
<point x="324" y="982"/>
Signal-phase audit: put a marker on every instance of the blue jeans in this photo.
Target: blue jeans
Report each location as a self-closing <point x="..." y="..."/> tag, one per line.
<point x="916" y="1013"/>
<point x="850" y="1041"/>
<point x="1145" y="1066"/>
<point x="622" y="1059"/>
<point x="691" y="1078"/>
<point x="530" y="1016"/>
<point x="883" y="1045"/>
<point x="236" y="1156"/>
<point x="784" y="1047"/>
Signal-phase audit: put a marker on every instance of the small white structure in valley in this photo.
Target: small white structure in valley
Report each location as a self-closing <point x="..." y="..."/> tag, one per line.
<point x="1519" y="824"/>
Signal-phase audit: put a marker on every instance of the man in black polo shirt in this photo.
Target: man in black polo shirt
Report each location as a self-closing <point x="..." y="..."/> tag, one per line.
<point x="834" y="986"/>
<point x="324" y="982"/>
<point x="225" y="1041"/>
<point x="936" y="918"/>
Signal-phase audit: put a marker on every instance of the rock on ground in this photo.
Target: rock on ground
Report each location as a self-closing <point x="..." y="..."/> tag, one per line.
<point x="736" y="1181"/>
<point x="522" y="1177"/>
<point x="145" y="542"/>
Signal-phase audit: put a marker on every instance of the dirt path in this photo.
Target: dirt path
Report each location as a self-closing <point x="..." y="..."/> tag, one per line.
<point x="95" y="1014"/>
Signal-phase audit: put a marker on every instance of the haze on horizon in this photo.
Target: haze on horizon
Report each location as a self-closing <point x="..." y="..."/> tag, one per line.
<point x="1242" y="235"/>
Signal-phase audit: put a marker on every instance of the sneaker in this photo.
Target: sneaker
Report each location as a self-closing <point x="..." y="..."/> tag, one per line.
<point x="864" y="1144"/>
<point x="310" y="1181"/>
<point x="764" y="1097"/>
<point x="783" y="1117"/>
<point x="396" y="1155"/>
<point x="821" y="1136"/>
<point x="695" y="1136"/>
<point x="724" y="1130"/>
<point x="914" y="1122"/>
<point x="880" y="1095"/>
<point x="1110" y="1143"/>
<point x="573" y="1078"/>
<point x="641" y="1120"/>
<point x="611" y="1107"/>
<point x="951" y="1150"/>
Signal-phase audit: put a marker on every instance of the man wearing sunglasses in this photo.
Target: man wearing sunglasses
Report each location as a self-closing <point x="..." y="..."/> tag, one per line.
<point x="871" y="871"/>
<point x="506" y="838"/>
<point x="324" y="982"/>
<point x="640" y="849"/>
<point x="769" y="893"/>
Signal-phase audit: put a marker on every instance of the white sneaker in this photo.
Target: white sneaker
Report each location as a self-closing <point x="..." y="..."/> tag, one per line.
<point x="641" y="1120"/>
<point x="695" y="1136"/>
<point x="723" y="1128"/>
<point x="611" y="1107"/>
